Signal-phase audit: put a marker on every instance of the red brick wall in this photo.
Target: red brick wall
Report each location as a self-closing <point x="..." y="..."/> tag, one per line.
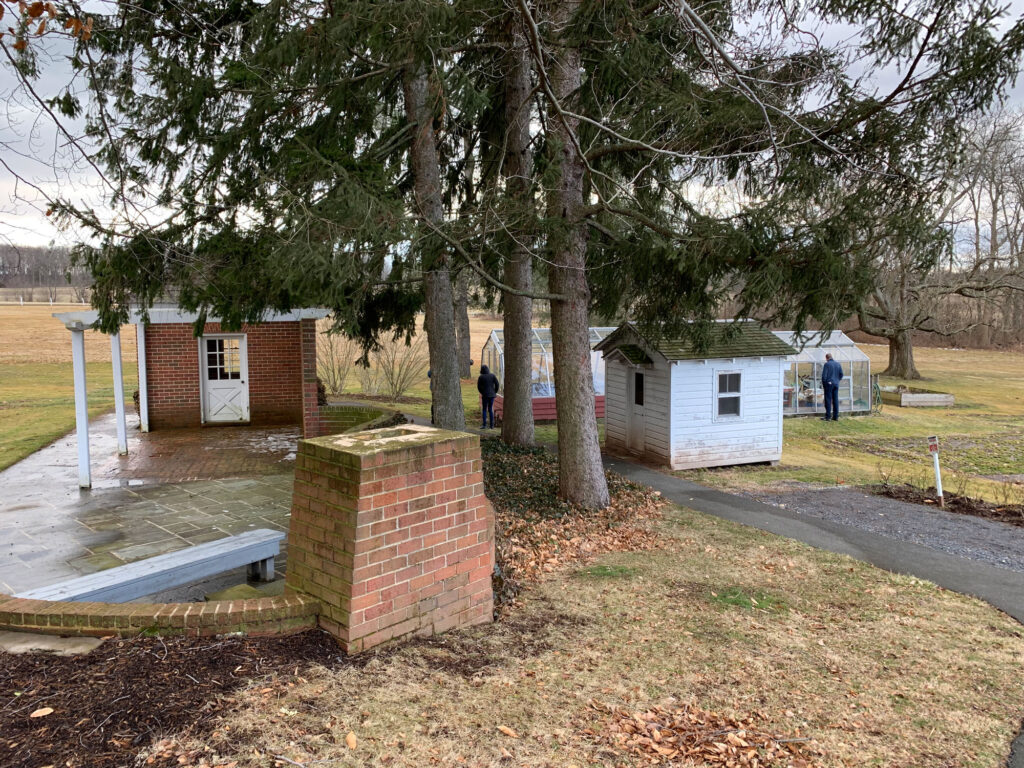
<point x="275" y="373"/>
<point x="393" y="537"/>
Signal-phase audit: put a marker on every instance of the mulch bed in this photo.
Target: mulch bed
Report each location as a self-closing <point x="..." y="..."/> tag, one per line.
<point x="150" y="693"/>
<point x="111" y="703"/>
<point x="961" y="505"/>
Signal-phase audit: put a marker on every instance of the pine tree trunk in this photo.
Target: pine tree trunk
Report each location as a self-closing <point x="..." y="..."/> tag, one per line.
<point x="439" y="319"/>
<point x="901" y="357"/>
<point x="462" y="324"/>
<point x="580" y="473"/>
<point x="517" y="410"/>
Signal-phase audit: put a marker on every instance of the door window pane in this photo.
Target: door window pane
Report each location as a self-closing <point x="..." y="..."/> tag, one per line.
<point x="638" y="388"/>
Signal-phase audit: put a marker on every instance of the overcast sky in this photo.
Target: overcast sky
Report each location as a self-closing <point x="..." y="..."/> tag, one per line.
<point x="37" y="154"/>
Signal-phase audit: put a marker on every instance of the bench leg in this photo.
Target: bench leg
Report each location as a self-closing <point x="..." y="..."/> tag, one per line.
<point x="262" y="570"/>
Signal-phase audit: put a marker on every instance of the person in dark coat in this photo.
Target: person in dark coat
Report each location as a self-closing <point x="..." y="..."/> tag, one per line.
<point x="487" y="386"/>
<point x="831" y="375"/>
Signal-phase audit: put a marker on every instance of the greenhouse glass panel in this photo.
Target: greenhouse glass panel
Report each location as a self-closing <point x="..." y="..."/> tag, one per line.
<point x="802" y="392"/>
<point x="542" y="370"/>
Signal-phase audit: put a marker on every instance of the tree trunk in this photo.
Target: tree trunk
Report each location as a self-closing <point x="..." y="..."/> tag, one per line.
<point x="517" y="408"/>
<point x="462" y="324"/>
<point x="580" y="473"/>
<point x="439" y="320"/>
<point x="901" y="357"/>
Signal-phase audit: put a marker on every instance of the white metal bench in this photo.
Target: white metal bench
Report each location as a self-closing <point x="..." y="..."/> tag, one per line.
<point x="256" y="549"/>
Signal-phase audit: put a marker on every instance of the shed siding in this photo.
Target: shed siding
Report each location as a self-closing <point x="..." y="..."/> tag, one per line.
<point x="615" y="404"/>
<point x="700" y="439"/>
<point x="657" y="410"/>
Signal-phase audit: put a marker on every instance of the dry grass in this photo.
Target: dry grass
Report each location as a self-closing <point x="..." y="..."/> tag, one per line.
<point x="30" y="334"/>
<point x="876" y="669"/>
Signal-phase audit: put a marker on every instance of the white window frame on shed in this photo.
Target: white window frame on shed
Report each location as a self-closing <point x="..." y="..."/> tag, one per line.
<point x="720" y="395"/>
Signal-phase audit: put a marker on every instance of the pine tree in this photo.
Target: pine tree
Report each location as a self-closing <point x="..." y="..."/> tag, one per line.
<point x="679" y="158"/>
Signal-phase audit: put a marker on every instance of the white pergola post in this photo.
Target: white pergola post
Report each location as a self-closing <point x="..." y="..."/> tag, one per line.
<point x="115" y="359"/>
<point x="81" y="405"/>
<point x="140" y="337"/>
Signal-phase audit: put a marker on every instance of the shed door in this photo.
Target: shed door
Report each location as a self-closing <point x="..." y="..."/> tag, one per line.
<point x="223" y="375"/>
<point x="635" y="411"/>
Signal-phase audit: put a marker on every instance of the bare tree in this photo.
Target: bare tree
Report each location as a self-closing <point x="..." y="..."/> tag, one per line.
<point x="982" y="213"/>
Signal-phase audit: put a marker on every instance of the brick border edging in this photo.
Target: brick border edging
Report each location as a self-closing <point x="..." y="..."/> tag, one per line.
<point x="261" y="616"/>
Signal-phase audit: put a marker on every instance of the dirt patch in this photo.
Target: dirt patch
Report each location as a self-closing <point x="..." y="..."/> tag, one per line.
<point x="1010" y="513"/>
<point x="517" y="637"/>
<point x="111" y="703"/>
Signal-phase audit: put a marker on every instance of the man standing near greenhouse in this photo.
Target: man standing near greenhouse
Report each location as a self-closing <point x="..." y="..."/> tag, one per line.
<point x="831" y="375"/>
<point x="487" y="386"/>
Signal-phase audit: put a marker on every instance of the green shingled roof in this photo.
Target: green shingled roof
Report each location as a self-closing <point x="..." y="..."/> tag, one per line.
<point x="725" y="340"/>
<point x="634" y="354"/>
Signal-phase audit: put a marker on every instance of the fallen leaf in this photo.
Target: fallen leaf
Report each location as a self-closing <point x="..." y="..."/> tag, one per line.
<point x="42" y="712"/>
<point x="508" y="731"/>
<point x="350" y="740"/>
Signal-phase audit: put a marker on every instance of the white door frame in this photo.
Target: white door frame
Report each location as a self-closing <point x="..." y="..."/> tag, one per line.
<point x="244" y="378"/>
<point x="636" y="426"/>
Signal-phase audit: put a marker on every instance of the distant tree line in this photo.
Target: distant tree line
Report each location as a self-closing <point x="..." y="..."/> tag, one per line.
<point x="42" y="272"/>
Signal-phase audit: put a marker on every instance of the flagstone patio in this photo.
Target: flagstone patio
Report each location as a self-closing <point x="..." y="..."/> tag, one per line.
<point x="175" y="488"/>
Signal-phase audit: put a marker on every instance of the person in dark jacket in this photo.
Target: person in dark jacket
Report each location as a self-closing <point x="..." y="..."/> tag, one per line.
<point x="487" y="386"/>
<point x="831" y="375"/>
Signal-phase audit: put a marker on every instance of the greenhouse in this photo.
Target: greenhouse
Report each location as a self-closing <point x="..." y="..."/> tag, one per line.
<point x="801" y="390"/>
<point x="543" y="372"/>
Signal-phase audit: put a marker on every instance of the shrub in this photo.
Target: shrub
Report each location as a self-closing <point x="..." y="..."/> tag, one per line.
<point x="401" y="365"/>
<point x="335" y="356"/>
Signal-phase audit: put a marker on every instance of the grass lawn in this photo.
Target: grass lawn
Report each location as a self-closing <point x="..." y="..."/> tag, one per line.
<point x="37" y="403"/>
<point x="871" y="668"/>
<point x="981" y="438"/>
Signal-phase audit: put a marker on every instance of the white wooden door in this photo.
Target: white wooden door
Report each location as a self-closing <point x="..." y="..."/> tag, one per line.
<point x="224" y="375"/>
<point x="635" y="411"/>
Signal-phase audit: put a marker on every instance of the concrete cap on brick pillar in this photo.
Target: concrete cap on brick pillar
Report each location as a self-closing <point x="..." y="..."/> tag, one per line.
<point x="386" y="439"/>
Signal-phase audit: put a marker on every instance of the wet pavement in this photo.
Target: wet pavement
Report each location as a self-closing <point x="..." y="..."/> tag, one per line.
<point x="175" y="488"/>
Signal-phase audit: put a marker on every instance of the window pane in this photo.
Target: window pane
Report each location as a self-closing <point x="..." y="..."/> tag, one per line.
<point x="211" y="345"/>
<point x="728" y="406"/>
<point x="638" y="388"/>
<point x="728" y="382"/>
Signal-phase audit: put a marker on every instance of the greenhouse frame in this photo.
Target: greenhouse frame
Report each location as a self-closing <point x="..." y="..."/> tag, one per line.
<point x="542" y="370"/>
<point x="801" y="384"/>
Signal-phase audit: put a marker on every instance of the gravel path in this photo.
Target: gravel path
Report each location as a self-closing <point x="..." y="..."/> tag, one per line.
<point x="974" y="538"/>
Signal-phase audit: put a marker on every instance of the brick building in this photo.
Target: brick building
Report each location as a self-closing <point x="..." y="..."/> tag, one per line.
<point x="263" y="374"/>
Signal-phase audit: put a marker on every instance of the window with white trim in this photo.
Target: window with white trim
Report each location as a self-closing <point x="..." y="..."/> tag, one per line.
<point x="729" y="394"/>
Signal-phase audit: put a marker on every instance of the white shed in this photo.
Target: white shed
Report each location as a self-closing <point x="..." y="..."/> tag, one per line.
<point x="674" y="406"/>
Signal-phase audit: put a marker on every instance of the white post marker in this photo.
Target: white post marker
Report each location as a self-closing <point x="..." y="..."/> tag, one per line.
<point x="933" y="449"/>
<point x="115" y="358"/>
<point x="81" y="406"/>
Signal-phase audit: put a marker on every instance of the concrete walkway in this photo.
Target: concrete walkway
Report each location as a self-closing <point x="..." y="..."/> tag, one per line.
<point x="1000" y="587"/>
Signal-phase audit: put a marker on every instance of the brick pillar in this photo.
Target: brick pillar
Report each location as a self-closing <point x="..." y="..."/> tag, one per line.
<point x="310" y="409"/>
<point x="391" y="532"/>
